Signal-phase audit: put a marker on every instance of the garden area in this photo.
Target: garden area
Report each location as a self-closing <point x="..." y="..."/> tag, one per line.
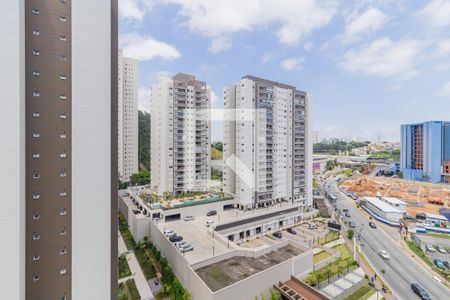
<point x="329" y="237"/>
<point x="363" y="293"/>
<point x="153" y="264"/>
<point x="318" y="257"/>
<point x="128" y="291"/>
<point x="340" y="266"/>
<point x="124" y="269"/>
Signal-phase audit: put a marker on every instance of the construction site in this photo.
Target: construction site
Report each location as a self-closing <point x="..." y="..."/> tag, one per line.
<point x="420" y="196"/>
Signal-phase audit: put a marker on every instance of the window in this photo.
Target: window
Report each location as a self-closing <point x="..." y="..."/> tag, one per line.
<point x="36" y="216"/>
<point x="62" y="38"/>
<point x="36" y="196"/>
<point x="35" y="11"/>
<point x="36" y="73"/>
<point x="62" y="77"/>
<point x="63" y="232"/>
<point x="36" y="155"/>
<point x="36" y="257"/>
<point x="36" y="134"/>
<point x="36" y="175"/>
<point x="62" y="19"/>
<point x="63" y="212"/>
<point x="36" y="31"/>
<point x="36" y="94"/>
<point x="36" y="236"/>
<point x="35" y="277"/>
<point x="36" y="115"/>
<point x="36" y="52"/>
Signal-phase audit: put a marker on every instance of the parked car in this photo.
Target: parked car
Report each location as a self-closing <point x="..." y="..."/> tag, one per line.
<point x="312" y="226"/>
<point x="419" y="291"/>
<point x="383" y="254"/>
<point x="186" y="248"/>
<point x="277" y="234"/>
<point x="430" y="248"/>
<point x="438" y="263"/>
<point x="372" y="225"/>
<point x="291" y="231"/>
<point x="447" y="264"/>
<point x="211" y="213"/>
<point x="189" y="218"/>
<point x="175" y="238"/>
<point x="345" y="210"/>
<point x="347" y="215"/>
<point x="169" y="232"/>
<point x="442" y="249"/>
<point x="180" y="244"/>
<point x="351" y="224"/>
<point x="209" y="223"/>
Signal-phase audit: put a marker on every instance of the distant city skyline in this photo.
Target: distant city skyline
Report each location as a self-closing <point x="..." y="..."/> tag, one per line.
<point x="361" y="61"/>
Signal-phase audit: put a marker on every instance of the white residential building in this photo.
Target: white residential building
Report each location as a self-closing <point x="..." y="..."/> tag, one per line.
<point x="58" y="122"/>
<point x="267" y="143"/>
<point x="180" y="135"/>
<point x="128" y="144"/>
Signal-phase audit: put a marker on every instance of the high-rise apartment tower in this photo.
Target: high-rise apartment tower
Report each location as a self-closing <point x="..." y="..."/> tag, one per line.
<point x="180" y="134"/>
<point x="128" y="117"/>
<point x="267" y="143"/>
<point x="58" y="122"/>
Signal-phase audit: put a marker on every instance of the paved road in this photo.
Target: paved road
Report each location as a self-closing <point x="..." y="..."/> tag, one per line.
<point x="401" y="270"/>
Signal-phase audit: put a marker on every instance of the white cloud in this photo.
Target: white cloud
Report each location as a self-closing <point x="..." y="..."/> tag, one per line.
<point x="292" y="63"/>
<point x="438" y="12"/>
<point x="268" y="56"/>
<point x="140" y="47"/>
<point x="219" y="19"/>
<point x="219" y="44"/>
<point x="443" y="48"/>
<point x="359" y="25"/>
<point x="443" y="91"/>
<point x="385" y="58"/>
<point x="134" y="10"/>
<point x="144" y="99"/>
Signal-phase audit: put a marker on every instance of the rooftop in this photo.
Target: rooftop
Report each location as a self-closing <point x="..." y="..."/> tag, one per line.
<point x="234" y="269"/>
<point x="435" y="216"/>
<point x="381" y="205"/>
<point x="394" y="200"/>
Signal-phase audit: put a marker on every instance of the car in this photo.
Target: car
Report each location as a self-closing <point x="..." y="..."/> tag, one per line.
<point x="312" y="226"/>
<point x="277" y="234"/>
<point x="351" y="224"/>
<point x="175" y="238"/>
<point x="442" y="249"/>
<point x="186" y="248"/>
<point x="438" y="263"/>
<point x="209" y="223"/>
<point x="383" y="254"/>
<point x="345" y="210"/>
<point x="189" y="218"/>
<point x="169" y="232"/>
<point x="419" y="291"/>
<point x="372" y="225"/>
<point x="447" y="264"/>
<point x="180" y="244"/>
<point x="347" y="215"/>
<point x="430" y="248"/>
<point x="211" y="213"/>
<point x="291" y="231"/>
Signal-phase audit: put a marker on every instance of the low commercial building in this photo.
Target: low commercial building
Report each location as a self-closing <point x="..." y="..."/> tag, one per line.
<point x="396" y="203"/>
<point x="382" y="209"/>
<point x="435" y="219"/>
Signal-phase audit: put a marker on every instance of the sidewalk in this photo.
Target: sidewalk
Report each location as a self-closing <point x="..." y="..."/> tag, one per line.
<point x="122" y="248"/>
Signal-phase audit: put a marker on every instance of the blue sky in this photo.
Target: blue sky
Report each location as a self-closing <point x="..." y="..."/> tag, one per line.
<point x="369" y="65"/>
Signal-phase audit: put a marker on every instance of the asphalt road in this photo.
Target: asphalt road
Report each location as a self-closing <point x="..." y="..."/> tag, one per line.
<point x="401" y="270"/>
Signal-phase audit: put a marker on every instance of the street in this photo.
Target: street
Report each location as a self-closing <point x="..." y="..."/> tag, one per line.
<point x="400" y="270"/>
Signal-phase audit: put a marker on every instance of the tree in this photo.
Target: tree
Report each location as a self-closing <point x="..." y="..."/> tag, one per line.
<point x="218" y="146"/>
<point x="274" y="295"/>
<point x="141" y="178"/>
<point x="350" y="234"/>
<point x="144" y="121"/>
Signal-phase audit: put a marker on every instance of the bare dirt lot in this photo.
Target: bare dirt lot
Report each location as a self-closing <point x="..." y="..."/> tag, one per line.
<point x="423" y="196"/>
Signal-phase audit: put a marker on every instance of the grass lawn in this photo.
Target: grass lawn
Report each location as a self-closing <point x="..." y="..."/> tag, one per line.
<point x="216" y="154"/>
<point x="419" y="252"/>
<point x="338" y="266"/>
<point x="320" y="256"/>
<point x="124" y="269"/>
<point x="442" y="236"/>
<point x="345" y="252"/>
<point x="331" y="236"/>
<point x="363" y="293"/>
<point x="128" y="291"/>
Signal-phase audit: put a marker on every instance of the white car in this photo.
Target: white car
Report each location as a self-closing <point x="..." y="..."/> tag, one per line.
<point x="442" y="249"/>
<point x="180" y="244"/>
<point x="383" y="254"/>
<point x="169" y="232"/>
<point x="186" y="248"/>
<point x="209" y="223"/>
<point x="431" y="248"/>
<point x="189" y="218"/>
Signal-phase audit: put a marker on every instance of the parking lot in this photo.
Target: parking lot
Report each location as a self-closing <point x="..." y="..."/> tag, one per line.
<point x="435" y="241"/>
